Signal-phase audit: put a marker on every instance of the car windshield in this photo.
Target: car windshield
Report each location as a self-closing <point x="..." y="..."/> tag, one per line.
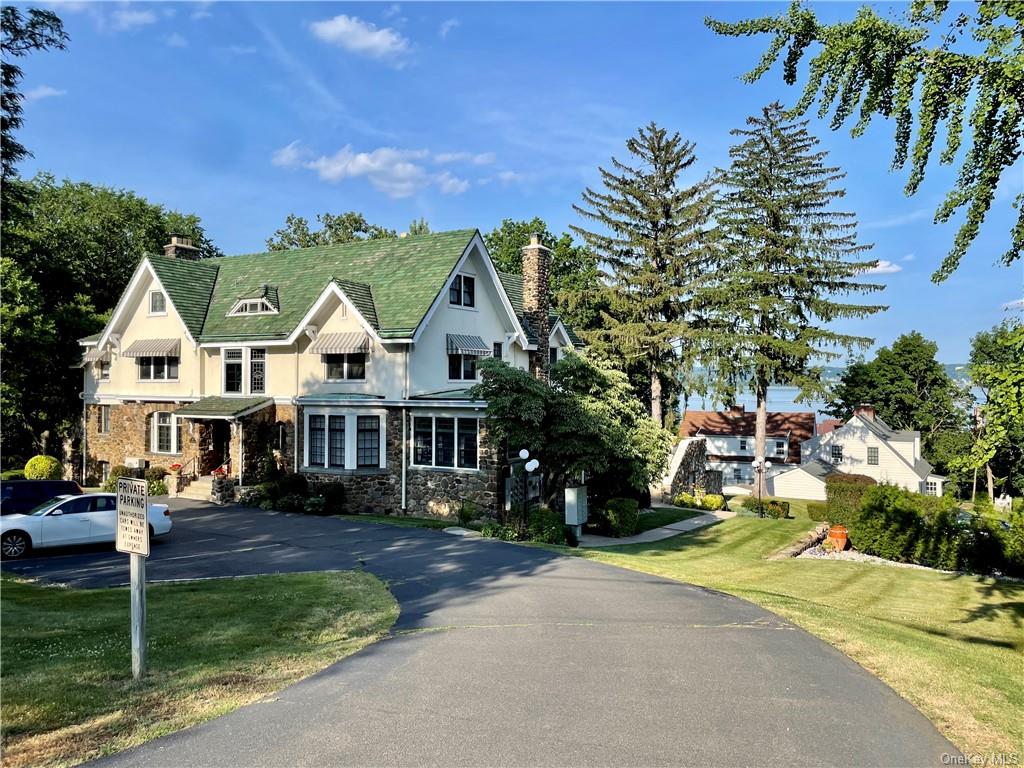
<point x="46" y="506"/>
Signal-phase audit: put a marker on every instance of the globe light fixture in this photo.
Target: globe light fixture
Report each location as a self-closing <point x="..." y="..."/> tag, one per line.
<point x="524" y="454"/>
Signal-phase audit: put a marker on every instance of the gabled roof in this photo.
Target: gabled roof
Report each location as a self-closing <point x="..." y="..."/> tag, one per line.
<point x="798" y="426"/>
<point x="391" y="282"/>
<point x="513" y="285"/>
<point x="884" y="431"/>
<point x="189" y="285"/>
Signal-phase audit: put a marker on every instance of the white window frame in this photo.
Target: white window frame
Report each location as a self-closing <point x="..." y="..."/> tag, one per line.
<point x="462" y="366"/>
<point x="246" y="363"/>
<point x="160" y="312"/>
<point x="261" y="307"/>
<point x="878" y="456"/>
<point x="780" y="449"/>
<point x="832" y="450"/>
<point x="104" y="426"/>
<point x="153" y="379"/>
<point x="433" y="442"/>
<point x="103" y="369"/>
<point x="737" y="475"/>
<point x="743" y="443"/>
<point x="351" y="430"/>
<point x="931" y="488"/>
<point x="154" y="434"/>
<point x="344" y="366"/>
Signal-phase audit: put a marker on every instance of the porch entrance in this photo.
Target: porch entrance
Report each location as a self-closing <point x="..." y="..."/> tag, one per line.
<point x="218" y="446"/>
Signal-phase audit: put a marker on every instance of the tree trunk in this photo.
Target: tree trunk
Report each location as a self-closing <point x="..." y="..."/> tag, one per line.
<point x="656" y="398"/>
<point x="974" y="485"/>
<point x="991" y="483"/>
<point x="761" y="437"/>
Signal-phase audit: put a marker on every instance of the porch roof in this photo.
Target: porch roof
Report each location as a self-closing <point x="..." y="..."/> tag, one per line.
<point x="223" y="407"/>
<point x="447" y="394"/>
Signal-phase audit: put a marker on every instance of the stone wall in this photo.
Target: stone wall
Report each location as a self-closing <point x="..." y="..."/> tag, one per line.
<point x="692" y="471"/>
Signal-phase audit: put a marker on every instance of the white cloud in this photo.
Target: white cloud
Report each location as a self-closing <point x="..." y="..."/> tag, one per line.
<point x="132" y="18"/>
<point x="884" y="267"/>
<point x="392" y="10"/>
<point x="508" y="177"/>
<point x="481" y="158"/>
<point x="241" y="50"/>
<point x="362" y="38"/>
<point x="393" y="171"/>
<point x="909" y="257"/>
<point x="447" y="26"/>
<point x="899" y="220"/>
<point x="1016" y="304"/>
<point x="43" y="92"/>
<point x="174" y="40"/>
<point x="200" y="11"/>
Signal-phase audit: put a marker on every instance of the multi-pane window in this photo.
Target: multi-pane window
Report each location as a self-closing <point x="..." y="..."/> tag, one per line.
<point x="837" y="454"/>
<point x="743" y="444"/>
<point x="254" y="307"/>
<point x="158" y="368"/>
<point x="104" y="472"/>
<point x="780" y="448"/>
<point x="872" y="456"/>
<point x="336" y="442"/>
<point x="233" y="371"/>
<point x="104" y="419"/>
<point x="368" y="441"/>
<point x="165" y="434"/>
<point x="462" y="292"/>
<point x="423" y="441"/>
<point x="497" y="350"/>
<point x="104" y="370"/>
<point x="316" y="440"/>
<point x="157" y="303"/>
<point x="931" y="488"/>
<point x="351" y="366"/>
<point x="737" y="474"/>
<point x="552" y="355"/>
<point x="461" y="367"/>
<point x="258" y="370"/>
<point x="442" y="441"/>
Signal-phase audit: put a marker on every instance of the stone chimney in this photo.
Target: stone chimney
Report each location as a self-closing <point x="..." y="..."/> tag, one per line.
<point x="736" y="410"/>
<point x="536" y="301"/>
<point x="866" y="410"/>
<point x="181" y="247"/>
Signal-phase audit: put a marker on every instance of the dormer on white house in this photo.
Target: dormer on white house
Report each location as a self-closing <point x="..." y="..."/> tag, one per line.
<point x="346" y="362"/>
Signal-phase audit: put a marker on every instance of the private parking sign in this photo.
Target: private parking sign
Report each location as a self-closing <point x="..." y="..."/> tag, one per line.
<point x="132" y="520"/>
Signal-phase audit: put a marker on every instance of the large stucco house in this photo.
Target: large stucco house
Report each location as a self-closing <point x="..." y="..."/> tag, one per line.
<point x="864" y="445"/>
<point x="348" y="362"/>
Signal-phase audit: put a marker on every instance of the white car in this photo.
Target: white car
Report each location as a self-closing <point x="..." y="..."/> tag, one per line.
<point x="87" y="519"/>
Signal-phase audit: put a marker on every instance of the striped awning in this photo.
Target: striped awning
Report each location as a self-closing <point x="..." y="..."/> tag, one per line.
<point x="340" y="343"/>
<point x="96" y="355"/>
<point x="461" y="344"/>
<point x="153" y="348"/>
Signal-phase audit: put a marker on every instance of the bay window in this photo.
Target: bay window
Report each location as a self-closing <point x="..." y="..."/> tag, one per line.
<point x="336" y="442"/>
<point x="316" y="440"/>
<point x="343" y="440"/>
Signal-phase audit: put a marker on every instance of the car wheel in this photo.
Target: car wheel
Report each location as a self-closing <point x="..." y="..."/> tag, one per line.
<point x="152" y="533"/>
<point x="14" y="544"/>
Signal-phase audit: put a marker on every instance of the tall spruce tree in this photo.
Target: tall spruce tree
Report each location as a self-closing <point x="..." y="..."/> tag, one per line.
<point x="785" y="254"/>
<point x="654" y="238"/>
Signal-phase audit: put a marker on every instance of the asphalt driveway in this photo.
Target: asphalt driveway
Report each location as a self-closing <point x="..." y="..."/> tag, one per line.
<point x="508" y="655"/>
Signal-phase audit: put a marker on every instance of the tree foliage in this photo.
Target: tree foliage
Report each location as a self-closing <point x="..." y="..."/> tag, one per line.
<point x="21" y="34"/>
<point x="785" y="256"/>
<point x="909" y="389"/>
<point x="586" y="421"/>
<point x="69" y="249"/>
<point x="419" y="227"/>
<point x="574" y="277"/>
<point x="913" y="71"/>
<point x="334" y="229"/>
<point x="653" y="234"/>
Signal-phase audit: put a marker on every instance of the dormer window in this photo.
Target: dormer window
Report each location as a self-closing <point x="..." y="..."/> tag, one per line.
<point x="463" y="291"/>
<point x="253" y="307"/>
<point x="157" y="303"/>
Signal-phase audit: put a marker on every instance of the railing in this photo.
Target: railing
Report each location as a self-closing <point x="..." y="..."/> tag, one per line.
<point x="188" y="469"/>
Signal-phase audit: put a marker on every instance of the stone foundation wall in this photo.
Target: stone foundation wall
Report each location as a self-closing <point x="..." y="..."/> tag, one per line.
<point x="693" y="472"/>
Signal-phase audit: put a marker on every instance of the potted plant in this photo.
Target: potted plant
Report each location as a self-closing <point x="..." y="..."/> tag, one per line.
<point x="838" y="536"/>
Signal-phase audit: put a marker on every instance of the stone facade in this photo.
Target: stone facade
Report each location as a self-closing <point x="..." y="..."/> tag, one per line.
<point x="537" y="302"/>
<point x="692" y="472"/>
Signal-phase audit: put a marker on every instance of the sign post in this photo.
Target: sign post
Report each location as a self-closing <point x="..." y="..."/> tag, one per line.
<point x="133" y="539"/>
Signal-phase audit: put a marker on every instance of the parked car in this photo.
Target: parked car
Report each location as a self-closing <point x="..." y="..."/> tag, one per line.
<point x="25" y="495"/>
<point x="88" y="518"/>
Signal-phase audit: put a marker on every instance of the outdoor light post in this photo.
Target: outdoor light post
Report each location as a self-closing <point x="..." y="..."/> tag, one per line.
<point x="760" y="466"/>
<point x="529" y="467"/>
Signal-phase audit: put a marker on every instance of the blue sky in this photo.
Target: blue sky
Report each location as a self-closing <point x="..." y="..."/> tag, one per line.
<point x="462" y="113"/>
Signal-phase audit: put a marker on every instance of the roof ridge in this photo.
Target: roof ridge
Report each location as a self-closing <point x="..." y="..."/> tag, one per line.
<point x="349" y="244"/>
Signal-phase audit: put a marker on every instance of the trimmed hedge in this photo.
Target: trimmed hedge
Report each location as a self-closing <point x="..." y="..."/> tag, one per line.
<point x="623" y="516"/>
<point x="43" y="468"/>
<point x="13" y="474"/>
<point x="774" y="508"/>
<point x="817" y="511"/>
<point x="844" y="493"/>
<point x="713" y="501"/>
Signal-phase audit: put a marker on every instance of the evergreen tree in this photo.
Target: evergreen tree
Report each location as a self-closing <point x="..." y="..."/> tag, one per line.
<point x="655" y="241"/>
<point x="419" y="227"/>
<point x="784" y="255"/>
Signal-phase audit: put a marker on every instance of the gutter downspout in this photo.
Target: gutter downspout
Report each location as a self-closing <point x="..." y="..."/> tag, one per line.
<point x="295" y="411"/>
<point x="405" y="426"/>
<point x="241" y="452"/>
<point x="85" y="448"/>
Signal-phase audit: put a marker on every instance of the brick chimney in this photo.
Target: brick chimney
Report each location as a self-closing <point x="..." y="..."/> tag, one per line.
<point x="181" y="247"/>
<point x="866" y="410"/>
<point x="536" y="301"/>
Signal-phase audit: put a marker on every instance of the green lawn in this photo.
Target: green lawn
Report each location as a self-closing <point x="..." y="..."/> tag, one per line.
<point x="952" y="645"/>
<point x="660" y="516"/>
<point x="402" y="521"/>
<point x="213" y="646"/>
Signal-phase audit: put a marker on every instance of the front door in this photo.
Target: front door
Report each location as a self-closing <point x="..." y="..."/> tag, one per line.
<point x="215" y="445"/>
<point x="222" y="442"/>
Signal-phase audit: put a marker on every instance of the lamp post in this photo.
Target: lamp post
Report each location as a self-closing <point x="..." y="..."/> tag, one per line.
<point x="530" y="466"/>
<point x="760" y="466"/>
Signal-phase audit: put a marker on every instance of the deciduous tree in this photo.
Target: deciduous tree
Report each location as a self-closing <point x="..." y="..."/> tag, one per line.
<point x="334" y="229"/>
<point x="917" y="71"/>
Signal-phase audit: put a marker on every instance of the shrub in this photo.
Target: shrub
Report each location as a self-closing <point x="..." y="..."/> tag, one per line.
<point x="116" y="472"/>
<point x="334" y="496"/>
<point x="817" y="511"/>
<point x="266" y="505"/>
<point x="156" y="487"/>
<point x="155" y="474"/>
<point x="500" y="531"/>
<point x="291" y="503"/>
<point x="685" y="500"/>
<point x="251" y="497"/>
<point x="623" y="516"/>
<point x="315" y="505"/>
<point x="844" y="493"/>
<point x="713" y="501"/>
<point x="43" y="468"/>
<point x="1013" y="543"/>
<point x="546" y="526"/>
<point x="467" y="513"/>
<point x="270" y="491"/>
<point x="293" y="484"/>
<point x="774" y="508"/>
<point x="13" y="474"/>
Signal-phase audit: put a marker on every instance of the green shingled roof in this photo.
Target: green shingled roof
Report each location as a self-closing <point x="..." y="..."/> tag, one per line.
<point x="209" y="407"/>
<point x="392" y="282"/>
<point x="189" y="285"/>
